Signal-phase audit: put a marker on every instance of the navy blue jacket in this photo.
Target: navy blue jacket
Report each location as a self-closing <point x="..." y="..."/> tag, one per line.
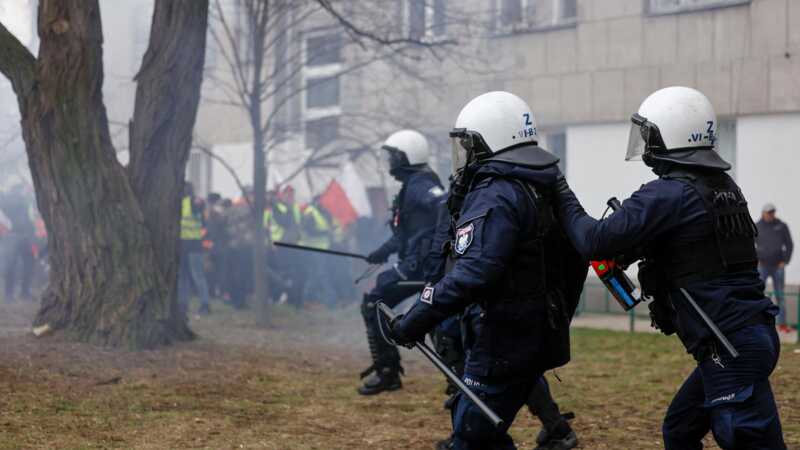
<point x="669" y="211"/>
<point x="416" y="219"/>
<point x="499" y="216"/>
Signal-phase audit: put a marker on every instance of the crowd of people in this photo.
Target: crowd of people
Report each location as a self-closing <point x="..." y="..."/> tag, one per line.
<point x="217" y="251"/>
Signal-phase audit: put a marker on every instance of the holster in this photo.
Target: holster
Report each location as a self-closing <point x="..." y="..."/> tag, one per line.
<point x="654" y="286"/>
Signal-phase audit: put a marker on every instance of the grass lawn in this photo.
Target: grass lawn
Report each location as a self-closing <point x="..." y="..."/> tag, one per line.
<point x="292" y="386"/>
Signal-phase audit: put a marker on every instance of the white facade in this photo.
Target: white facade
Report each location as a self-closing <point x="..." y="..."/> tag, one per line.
<point x="767" y="162"/>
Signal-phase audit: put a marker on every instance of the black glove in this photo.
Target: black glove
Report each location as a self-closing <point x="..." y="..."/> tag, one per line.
<point x="396" y="334"/>
<point x="379" y="256"/>
<point x="662" y="317"/>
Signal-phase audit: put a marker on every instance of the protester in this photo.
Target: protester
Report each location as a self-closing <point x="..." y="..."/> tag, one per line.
<point x="192" y="272"/>
<point x="16" y="205"/>
<point x="774" y="248"/>
<point x="218" y="235"/>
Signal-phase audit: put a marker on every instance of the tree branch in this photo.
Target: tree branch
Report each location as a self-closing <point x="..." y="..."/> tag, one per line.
<point x="17" y="64"/>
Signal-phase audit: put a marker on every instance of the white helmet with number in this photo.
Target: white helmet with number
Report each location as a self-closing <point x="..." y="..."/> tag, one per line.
<point x="498" y="126"/>
<point x="677" y="125"/>
<point x="407" y="148"/>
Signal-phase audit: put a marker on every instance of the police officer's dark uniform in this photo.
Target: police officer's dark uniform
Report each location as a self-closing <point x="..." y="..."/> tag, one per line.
<point x="694" y="229"/>
<point x="497" y="276"/>
<point x="556" y="433"/>
<point x="413" y="222"/>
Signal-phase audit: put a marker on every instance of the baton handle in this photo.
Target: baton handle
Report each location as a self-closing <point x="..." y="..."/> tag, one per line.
<point x="437" y="361"/>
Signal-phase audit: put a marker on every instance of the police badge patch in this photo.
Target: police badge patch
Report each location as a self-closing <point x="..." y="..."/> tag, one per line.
<point x="464" y="238"/>
<point x="427" y="295"/>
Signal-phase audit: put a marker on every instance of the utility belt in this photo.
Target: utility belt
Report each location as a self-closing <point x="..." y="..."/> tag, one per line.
<point x="709" y="349"/>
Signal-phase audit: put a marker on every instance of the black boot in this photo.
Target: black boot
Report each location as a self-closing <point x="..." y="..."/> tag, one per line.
<point x="384" y="374"/>
<point x="383" y="379"/>
<point x="561" y="437"/>
<point x="446" y="444"/>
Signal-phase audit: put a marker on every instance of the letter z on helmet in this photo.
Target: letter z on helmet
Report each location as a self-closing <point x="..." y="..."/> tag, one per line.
<point x="498" y="126"/>
<point x="406" y="148"/>
<point x="677" y="125"/>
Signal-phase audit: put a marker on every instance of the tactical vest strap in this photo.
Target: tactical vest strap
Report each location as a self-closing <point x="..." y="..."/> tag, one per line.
<point x="732" y="247"/>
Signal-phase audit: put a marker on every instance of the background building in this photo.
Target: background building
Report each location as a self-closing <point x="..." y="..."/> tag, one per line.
<point x="586" y="65"/>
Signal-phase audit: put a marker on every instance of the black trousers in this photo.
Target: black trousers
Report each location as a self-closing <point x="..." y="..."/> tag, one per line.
<point x="20" y="267"/>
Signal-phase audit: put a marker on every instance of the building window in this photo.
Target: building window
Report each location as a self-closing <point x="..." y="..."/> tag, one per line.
<point x="425" y="19"/>
<point x="320" y="132"/>
<point x="323" y="49"/>
<point x="530" y="15"/>
<point x="556" y="143"/>
<point x="322" y="105"/>
<point x="726" y="142"/>
<point x="678" y="6"/>
<point x="322" y="92"/>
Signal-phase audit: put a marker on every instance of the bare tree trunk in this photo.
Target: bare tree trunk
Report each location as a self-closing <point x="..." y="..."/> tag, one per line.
<point x="106" y="284"/>
<point x="260" y="287"/>
<point x="167" y="98"/>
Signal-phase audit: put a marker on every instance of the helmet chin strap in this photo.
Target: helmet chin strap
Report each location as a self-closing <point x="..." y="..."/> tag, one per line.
<point x="660" y="167"/>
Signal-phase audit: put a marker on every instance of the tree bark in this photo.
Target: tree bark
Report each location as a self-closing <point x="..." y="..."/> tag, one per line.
<point x="107" y="285"/>
<point x="260" y="286"/>
<point x="167" y="99"/>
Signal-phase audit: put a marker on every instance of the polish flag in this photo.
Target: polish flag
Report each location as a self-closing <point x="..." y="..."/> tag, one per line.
<point x="346" y="197"/>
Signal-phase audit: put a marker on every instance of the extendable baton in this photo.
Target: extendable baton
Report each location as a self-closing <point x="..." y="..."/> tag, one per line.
<point x="319" y="250"/>
<point x="434" y="358"/>
<point x="711" y="325"/>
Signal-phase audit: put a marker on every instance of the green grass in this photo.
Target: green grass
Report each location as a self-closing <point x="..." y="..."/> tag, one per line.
<point x="284" y="388"/>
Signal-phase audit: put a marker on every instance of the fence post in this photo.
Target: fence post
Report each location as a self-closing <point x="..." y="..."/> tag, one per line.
<point x="632" y="316"/>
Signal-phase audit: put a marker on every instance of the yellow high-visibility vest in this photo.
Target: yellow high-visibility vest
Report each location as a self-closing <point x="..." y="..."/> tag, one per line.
<point x="191" y="224"/>
<point x="321" y="225"/>
<point x="276" y="231"/>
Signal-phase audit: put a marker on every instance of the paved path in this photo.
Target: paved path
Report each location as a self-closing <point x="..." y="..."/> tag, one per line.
<point x="619" y="322"/>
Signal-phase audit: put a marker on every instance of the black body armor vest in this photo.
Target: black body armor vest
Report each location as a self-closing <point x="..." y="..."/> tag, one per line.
<point x="730" y="245"/>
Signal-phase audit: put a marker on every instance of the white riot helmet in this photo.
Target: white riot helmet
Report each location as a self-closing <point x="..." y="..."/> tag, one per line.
<point x="407" y="148"/>
<point x="677" y="125"/>
<point x="498" y="126"/>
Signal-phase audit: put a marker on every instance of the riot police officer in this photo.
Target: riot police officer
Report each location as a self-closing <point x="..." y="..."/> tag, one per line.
<point x="694" y="230"/>
<point x="556" y="432"/>
<point x="413" y="221"/>
<point x="516" y="308"/>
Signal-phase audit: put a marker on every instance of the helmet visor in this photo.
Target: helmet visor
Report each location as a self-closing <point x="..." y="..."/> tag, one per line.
<point x="459" y="153"/>
<point x="636" y="140"/>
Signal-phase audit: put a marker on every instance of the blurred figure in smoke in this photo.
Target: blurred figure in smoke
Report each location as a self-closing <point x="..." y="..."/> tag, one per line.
<point x="217" y="227"/>
<point x="317" y="231"/>
<point x="239" y="279"/>
<point x="16" y="205"/>
<point x="296" y="262"/>
<point x="192" y="272"/>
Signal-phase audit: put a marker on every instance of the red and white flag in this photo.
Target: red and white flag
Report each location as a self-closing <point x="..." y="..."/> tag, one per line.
<point x="346" y="197"/>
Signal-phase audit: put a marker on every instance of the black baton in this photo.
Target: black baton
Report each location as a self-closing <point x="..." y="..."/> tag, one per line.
<point x="319" y="250"/>
<point x="434" y="358"/>
<point x="711" y="325"/>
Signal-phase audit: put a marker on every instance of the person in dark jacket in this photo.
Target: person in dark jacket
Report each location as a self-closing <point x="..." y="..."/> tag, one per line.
<point x="694" y="230"/>
<point x="16" y="205"/>
<point x="774" y="248"/>
<point x="412" y="223"/>
<point x="497" y="277"/>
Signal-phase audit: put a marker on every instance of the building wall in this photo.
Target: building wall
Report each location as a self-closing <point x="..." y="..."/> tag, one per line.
<point x="767" y="157"/>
